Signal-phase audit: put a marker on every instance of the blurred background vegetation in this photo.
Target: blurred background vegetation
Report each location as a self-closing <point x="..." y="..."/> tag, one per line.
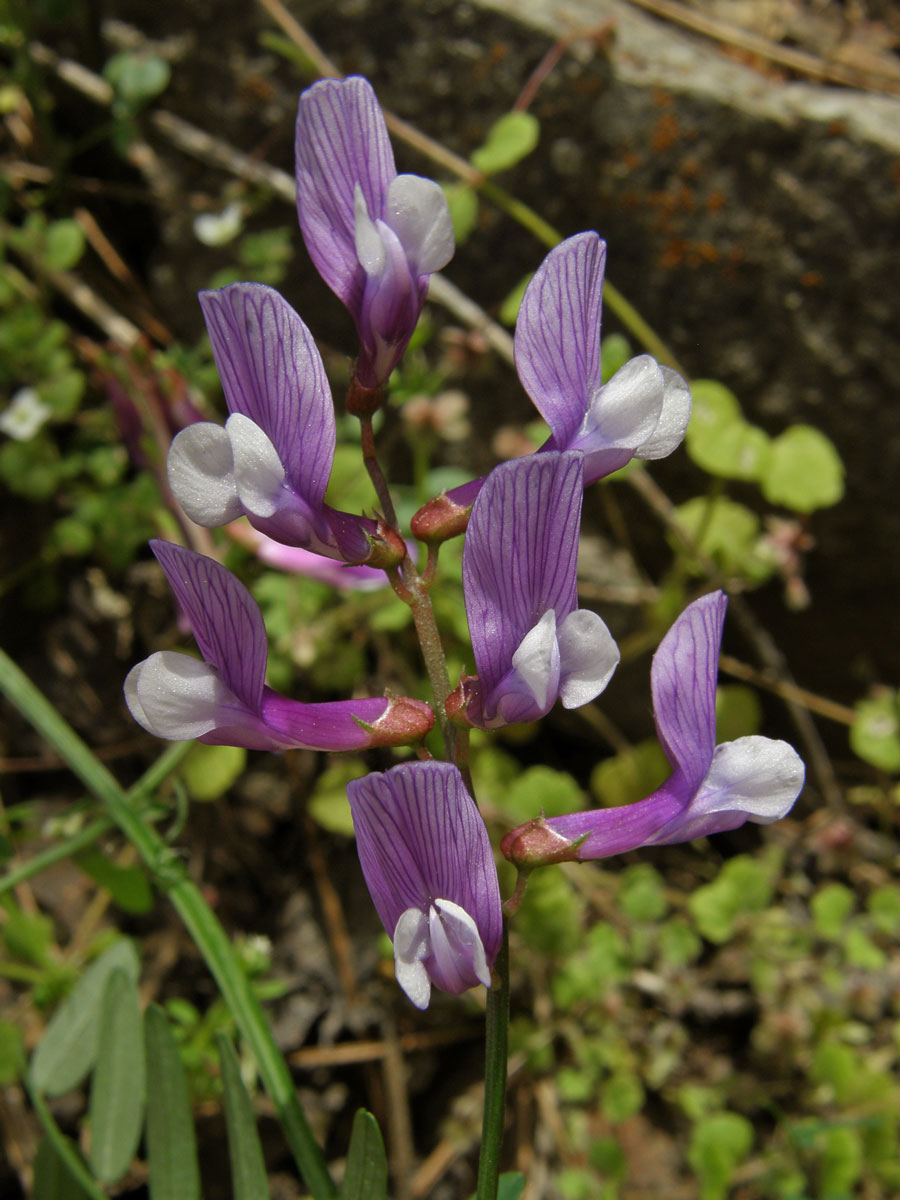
<point x="719" y="1019"/>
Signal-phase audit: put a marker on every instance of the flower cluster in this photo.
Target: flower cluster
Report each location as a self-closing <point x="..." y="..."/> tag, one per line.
<point x="375" y="237"/>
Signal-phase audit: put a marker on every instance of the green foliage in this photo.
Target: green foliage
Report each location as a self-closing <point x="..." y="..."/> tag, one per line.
<point x="630" y="775"/>
<point x="52" y="1178"/>
<point x="365" y="1175"/>
<point x="508" y="141"/>
<point x="804" y="471"/>
<point x="128" y="886"/>
<point x="615" y="351"/>
<point x="875" y="732"/>
<point x="540" y="790"/>
<point x="328" y="805"/>
<point x="209" y="771"/>
<point x="12" y="1053"/>
<point x="830" y="908"/>
<point x="602" y="961"/>
<point x="117" y="1087"/>
<point x="729" y="534"/>
<point x="738" y="712"/>
<point x="718" y="439"/>
<point x="462" y="200"/>
<point x="69" y="1047"/>
<point x="136" y="79"/>
<point x="509" y="309"/>
<point x="248" y="1169"/>
<point x="719" y="1143"/>
<point x="642" y="894"/>
<point x="171" y="1143"/>
<point x="744" y="886"/>
<point x="550" y="917"/>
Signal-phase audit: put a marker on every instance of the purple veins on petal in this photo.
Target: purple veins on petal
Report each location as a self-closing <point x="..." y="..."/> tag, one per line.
<point x="531" y="644"/>
<point x="427" y="861"/>
<point x="712" y="788"/>
<point x="641" y="412"/>
<point x="224" y="701"/>
<point x="374" y="236"/>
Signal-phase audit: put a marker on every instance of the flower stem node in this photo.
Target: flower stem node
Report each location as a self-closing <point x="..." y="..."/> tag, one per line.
<point x="387" y="549"/>
<point x="536" y="844"/>
<point x="440" y="519"/>
<point x="363" y="401"/>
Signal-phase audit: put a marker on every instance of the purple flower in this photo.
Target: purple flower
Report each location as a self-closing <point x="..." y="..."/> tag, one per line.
<point x="223" y="700"/>
<point x="373" y="235"/>
<point x="711" y="789"/>
<point x="642" y="412"/>
<point x="272" y="460"/>
<point x="531" y="643"/>
<point x="427" y="862"/>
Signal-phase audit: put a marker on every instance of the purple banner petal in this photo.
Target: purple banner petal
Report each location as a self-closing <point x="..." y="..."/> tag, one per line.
<point x="421" y="839"/>
<point x="224" y="617"/>
<point x="683" y="682"/>
<point x="341" y="141"/>
<point x="557" y="342"/>
<point x="520" y="555"/>
<point x="272" y="372"/>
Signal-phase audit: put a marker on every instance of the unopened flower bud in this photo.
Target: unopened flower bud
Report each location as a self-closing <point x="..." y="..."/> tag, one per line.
<point x="440" y="519"/>
<point x="535" y="844"/>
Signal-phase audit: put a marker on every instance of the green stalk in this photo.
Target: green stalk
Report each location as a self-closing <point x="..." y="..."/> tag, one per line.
<point x="145" y="786"/>
<point x="200" y="921"/>
<point x="495" y="1058"/>
<point x="64" y="1148"/>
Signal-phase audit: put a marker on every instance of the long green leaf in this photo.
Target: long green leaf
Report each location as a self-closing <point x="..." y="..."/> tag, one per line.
<point x="248" y="1169"/>
<point x="196" y="914"/>
<point x="366" y="1175"/>
<point x="171" y="1145"/>
<point x="117" y="1089"/>
<point x="52" y="1178"/>
<point x="68" y="1049"/>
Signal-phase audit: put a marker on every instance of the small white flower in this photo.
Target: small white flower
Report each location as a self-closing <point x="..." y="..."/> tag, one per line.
<point x="25" y="415"/>
<point x="215" y="229"/>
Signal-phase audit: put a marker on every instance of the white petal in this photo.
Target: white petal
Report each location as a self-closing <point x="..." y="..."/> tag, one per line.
<point x="673" y="421"/>
<point x="588" y="655"/>
<point x="201" y="475"/>
<point x="25" y="415"/>
<point x="537" y="660"/>
<point x="175" y="696"/>
<point x="463" y="941"/>
<point x="369" y="246"/>
<point x="411" y="945"/>
<point x="418" y="213"/>
<point x="258" y="472"/>
<point x="626" y="411"/>
<point x="755" y="775"/>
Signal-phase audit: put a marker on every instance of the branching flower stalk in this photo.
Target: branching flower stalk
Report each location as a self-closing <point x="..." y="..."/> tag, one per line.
<point x="426" y="854"/>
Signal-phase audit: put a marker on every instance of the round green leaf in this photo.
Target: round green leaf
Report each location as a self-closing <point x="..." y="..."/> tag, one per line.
<point x="509" y="140"/>
<point x="804" y="471"/>
<point x="209" y="771"/>
<point x="63" y="245"/>
<point x="462" y="201"/>
<point x="875" y="732"/>
<point x="738" y="712"/>
<point x="137" y="78"/>
<point x="718" y="438"/>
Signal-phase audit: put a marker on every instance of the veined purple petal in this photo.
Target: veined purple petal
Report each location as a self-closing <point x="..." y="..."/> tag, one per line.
<point x="712" y="788"/>
<point x="224" y="617"/>
<point x="557" y="341"/>
<point x="520" y="555"/>
<point x="683" y="683"/>
<point x="341" y="142"/>
<point x="421" y="839"/>
<point x="272" y="372"/>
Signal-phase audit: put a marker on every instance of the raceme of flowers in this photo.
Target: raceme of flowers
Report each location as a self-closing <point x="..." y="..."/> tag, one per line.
<point x="375" y="237"/>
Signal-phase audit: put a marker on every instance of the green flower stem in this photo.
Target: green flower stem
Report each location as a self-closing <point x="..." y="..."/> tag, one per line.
<point x="612" y="297"/>
<point x="496" y="1049"/>
<point x="145" y="786"/>
<point x="193" y="910"/>
<point x="64" y="1148"/>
